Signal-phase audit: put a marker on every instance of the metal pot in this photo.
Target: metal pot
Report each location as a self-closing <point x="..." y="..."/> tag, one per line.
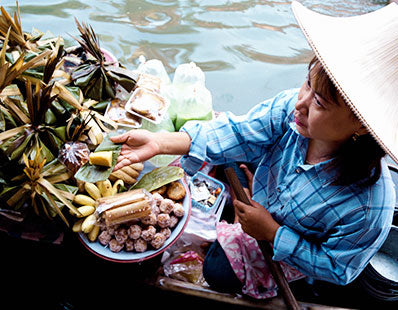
<point x="380" y="277"/>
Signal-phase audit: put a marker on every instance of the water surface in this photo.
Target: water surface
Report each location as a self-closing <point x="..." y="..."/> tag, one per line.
<point x="249" y="50"/>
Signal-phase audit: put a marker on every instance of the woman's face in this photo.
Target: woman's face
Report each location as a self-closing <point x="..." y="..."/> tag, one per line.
<point x="319" y="119"/>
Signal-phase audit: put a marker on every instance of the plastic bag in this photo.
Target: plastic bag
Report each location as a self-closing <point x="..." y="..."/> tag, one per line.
<point x="195" y="104"/>
<point x="154" y="67"/>
<point x="188" y="73"/>
<point x="186" y="267"/>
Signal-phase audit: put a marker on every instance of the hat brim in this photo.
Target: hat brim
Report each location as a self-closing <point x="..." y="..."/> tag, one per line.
<point x="360" y="55"/>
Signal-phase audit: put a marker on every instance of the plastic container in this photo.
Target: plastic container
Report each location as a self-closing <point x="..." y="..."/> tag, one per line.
<point x="212" y="185"/>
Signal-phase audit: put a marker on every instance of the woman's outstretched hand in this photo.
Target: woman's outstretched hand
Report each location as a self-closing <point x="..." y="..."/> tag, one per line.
<point x="138" y="146"/>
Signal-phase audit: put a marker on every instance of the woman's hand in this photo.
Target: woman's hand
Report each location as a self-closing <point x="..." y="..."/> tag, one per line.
<point x="255" y="220"/>
<point x="138" y="146"/>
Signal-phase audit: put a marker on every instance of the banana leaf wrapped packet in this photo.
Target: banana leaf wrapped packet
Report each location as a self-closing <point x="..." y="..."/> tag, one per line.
<point x="96" y="77"/>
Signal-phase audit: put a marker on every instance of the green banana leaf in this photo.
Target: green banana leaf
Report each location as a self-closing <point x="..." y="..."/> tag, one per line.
<point x="94" y="173"/>
<point x="159" y="177"/>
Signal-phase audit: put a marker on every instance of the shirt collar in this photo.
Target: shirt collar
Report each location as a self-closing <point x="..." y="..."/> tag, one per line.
<point x="326" y="176"/>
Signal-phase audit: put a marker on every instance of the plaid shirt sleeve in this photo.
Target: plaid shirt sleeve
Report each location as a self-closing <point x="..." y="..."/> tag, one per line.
<point x="231" y="138"/>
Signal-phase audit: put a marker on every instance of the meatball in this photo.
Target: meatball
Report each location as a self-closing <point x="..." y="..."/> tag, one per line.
<point x="163" y="220"/>
<point x="121" y="235"/>
<point x="166" y="206"/>
<point x="115" y="246"/>
<point x="148" y="233"/>
<point x="140" y="245"/>
<point x="104" y="237"/>
<point x="178" y="210"/>
<point x="158" y="240"/>
<point x="134" y="231"/>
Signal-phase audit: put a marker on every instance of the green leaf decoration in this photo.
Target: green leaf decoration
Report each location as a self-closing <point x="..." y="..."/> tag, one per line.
<point x="159" y="177"/>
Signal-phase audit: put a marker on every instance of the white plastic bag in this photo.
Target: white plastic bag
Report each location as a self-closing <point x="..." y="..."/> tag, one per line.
<point x="188" y="73"/>
<point x="154" y="67"/>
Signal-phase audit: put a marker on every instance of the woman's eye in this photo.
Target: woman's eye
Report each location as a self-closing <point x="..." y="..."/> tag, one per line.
<point x="317" y="102"/>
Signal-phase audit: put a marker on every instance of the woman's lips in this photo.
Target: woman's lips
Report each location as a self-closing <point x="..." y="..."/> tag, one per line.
<point x="298" y="123"/>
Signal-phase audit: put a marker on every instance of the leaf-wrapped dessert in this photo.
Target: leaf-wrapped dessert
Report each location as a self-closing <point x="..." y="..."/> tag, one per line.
<point x="96" y="77"/>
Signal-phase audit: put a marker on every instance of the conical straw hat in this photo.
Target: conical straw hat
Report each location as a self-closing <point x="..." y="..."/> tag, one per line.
<point x="360" y="55"/>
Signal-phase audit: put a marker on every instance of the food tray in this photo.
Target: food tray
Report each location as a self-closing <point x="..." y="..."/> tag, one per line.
<point x="213" y="184"/>
<point x="134" y="257"/>
<point x="120" y="123"/>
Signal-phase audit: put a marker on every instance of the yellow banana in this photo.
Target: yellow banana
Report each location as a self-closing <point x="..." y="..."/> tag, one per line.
<point x="84" y="200"/>
<point x="85" y="211"/>
<point x="89" y="223"/>
<point x="77" y="227"/>
<point x="105" y="188"/>
<point x="92" y="190"/>
<point x="116" y="185"/>
<point x="93" y="234"/>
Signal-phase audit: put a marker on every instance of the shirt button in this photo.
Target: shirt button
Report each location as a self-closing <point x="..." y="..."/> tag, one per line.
<point x="298" y="170"/>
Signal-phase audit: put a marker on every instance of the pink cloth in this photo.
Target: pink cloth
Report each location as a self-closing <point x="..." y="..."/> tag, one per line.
<point x="248" y="262"/>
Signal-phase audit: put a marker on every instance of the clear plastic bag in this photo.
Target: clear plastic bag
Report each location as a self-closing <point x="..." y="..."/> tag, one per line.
<point x="188" y="73"/>
<point x="153" y="67"/>
<point x="195" y="104"/>
<point x="185" y="266"/>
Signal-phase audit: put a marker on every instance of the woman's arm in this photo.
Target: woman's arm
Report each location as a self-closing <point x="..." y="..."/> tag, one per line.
<point x="140" y="145"/>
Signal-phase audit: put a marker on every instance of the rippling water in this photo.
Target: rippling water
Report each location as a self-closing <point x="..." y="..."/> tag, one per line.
<point x="249" y="50"/>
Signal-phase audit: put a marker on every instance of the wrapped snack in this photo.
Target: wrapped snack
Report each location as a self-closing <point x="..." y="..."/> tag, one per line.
<point x="150" y="82"/>
<point x="186" y="267"/>
<point x="74" y="155"/>
<point x="127" y="213"/>
<point x="121" y="199"/>
<point x="117" y="113"/>
<point x="147" y="104"/>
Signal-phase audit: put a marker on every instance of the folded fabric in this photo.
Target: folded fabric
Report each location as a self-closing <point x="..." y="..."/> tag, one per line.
<point x="248" y="262"/>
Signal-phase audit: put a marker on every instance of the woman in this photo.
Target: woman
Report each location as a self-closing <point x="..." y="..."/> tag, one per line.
<point x="322" y="192"/>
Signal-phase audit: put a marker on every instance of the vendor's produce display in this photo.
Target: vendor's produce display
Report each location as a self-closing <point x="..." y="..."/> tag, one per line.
<point x="59" y="106"/>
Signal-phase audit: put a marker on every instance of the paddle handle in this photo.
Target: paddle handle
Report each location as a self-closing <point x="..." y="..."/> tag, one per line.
<point x="265" y="247"/>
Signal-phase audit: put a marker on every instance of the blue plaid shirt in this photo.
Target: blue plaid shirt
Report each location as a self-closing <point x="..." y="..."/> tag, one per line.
<point x="327" y="232"/>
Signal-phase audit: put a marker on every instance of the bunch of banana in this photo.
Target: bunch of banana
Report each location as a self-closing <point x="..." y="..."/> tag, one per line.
<point x="88" y="203"/>
<point x="128" y="174"/>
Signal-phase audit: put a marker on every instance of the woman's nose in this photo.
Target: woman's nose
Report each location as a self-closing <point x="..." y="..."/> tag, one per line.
<point x="303" y="101"/>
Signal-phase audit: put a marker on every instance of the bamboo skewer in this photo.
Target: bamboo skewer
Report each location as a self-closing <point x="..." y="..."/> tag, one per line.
<point x="266" y="249"/>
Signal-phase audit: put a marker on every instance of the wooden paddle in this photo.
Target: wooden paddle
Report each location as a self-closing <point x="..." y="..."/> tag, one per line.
<point x="266" y="249"/>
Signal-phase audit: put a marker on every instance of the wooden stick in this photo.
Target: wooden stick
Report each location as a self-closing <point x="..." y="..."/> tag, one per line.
<point x="266" y="249"/>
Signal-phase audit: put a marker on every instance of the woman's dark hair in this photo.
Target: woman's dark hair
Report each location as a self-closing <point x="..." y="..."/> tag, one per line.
<point x="358" y="159"/>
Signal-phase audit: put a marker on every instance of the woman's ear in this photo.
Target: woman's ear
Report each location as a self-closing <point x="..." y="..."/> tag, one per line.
<point x="362" y="130"/>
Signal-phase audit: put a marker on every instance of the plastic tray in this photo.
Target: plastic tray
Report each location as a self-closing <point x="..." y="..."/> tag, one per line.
<point x="214" y="184"/>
